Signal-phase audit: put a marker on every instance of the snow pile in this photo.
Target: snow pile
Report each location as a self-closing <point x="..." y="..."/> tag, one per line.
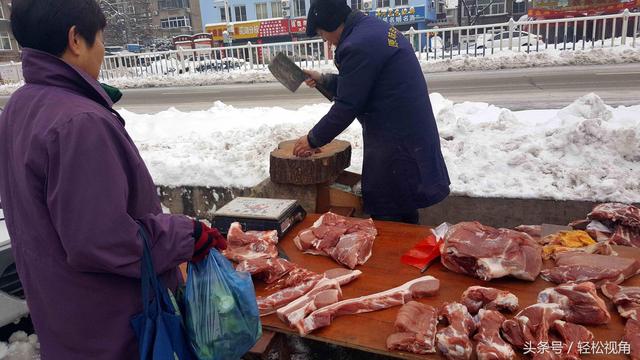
<point x="586" y="151"/>
<point x="507" y="59"/>
<point x="20" y="347"/>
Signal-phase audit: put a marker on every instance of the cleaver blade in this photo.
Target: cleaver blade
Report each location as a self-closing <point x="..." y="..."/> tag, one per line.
<point x="291" y="76"/>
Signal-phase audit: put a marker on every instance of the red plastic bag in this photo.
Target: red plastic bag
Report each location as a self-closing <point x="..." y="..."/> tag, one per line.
<point x="425" y="251"/>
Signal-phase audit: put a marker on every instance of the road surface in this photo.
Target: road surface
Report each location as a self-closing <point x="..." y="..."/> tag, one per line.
<point x="516" y="89"/>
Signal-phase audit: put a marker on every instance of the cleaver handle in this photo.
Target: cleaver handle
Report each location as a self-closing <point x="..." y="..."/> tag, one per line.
<point x="324" y="91"/>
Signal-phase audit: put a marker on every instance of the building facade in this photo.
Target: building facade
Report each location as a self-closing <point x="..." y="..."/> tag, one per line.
<point x="176" y="17"/>
<point x="268" y="21"/>
<point x="9" y="49"/>
<point x="482" y="12"/>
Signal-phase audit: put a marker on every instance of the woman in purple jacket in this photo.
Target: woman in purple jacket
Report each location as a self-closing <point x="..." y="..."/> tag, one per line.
<point x="73" y="185"/>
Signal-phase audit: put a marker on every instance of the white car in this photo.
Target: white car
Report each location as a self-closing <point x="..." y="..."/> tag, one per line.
<point x="13" y="307"/>
<point x="501" y="39"/>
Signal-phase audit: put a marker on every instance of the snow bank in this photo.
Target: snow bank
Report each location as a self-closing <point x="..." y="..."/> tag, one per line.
<point x="586" y="151"/>
<point x="20" y="347"/>
<point x="504" y="59"/>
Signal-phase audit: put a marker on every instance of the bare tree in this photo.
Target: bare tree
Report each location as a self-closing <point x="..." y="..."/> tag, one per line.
<point x="128" y="21"/>
<point x="473" y="18"/>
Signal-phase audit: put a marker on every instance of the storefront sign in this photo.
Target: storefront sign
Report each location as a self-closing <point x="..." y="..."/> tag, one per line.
<point x="576" y="8"/>
<point x="274" y="28"/>
<point x="400" y="15"/>
<point x="298" y="25"/>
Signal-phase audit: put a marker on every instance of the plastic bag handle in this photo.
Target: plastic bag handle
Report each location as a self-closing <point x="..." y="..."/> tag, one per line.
<point x="148" y="275"/>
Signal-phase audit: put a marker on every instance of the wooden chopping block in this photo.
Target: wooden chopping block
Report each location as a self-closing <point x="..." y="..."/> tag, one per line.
<point x="325" y="166"/>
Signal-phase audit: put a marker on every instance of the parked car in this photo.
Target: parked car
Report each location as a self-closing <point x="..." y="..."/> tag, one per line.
<point x="501" y="40"/>
<point x="13" y="307"/>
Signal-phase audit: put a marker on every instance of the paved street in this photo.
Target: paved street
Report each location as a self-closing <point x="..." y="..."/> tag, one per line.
<point x="516" y="89"/>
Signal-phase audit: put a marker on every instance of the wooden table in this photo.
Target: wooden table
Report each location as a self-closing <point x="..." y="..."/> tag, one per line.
<point x="384" y="270"/>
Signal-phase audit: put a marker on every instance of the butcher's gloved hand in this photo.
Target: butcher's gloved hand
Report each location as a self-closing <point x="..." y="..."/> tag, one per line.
<point x="206" y="238"/>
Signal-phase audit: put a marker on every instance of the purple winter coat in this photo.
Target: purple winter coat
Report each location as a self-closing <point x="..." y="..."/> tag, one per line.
<point x="72" y="185"/>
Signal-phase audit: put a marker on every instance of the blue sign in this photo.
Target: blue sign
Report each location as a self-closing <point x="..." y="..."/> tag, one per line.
<point x="400" y="15"/>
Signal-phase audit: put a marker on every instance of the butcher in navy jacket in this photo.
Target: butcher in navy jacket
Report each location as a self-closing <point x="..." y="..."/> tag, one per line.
<point x="380" y="83"/>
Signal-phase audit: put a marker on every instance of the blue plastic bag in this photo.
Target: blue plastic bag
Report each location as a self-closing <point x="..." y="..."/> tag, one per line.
<point x="222" y="316"/>
<point x="159" y="328"/>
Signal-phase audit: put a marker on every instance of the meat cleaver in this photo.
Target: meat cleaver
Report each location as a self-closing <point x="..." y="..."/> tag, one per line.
<point x="291" y="76"/>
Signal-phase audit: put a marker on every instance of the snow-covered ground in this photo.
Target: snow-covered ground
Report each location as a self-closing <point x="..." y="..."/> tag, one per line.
<point x="504" y="59"/>
<point x="20" y="347"/>
<point x="586" y="151"/>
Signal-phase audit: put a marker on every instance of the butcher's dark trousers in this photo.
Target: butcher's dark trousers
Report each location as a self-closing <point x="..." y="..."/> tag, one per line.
<point x="412" y="217"/>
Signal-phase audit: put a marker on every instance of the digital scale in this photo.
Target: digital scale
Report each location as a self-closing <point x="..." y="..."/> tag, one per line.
<point x="259" y="214"/>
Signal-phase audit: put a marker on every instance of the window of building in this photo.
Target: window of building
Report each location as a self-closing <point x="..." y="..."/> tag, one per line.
<point x="519" y="7"/>
<point x="299" y="8"/>
<point x="402" y="2"/>
<point x="175" y="22"/>
<point x="172" y="4"/>
<point x="382" y="3"/>
<point x="5" y="39"/>
<point x="276" y="9"/>
<point x="241" y="13"/>
<point x="356" y="4"/>
<point x="261" y="11"/>
<point x="223" y="15"/>
<point x="488" y="7"/>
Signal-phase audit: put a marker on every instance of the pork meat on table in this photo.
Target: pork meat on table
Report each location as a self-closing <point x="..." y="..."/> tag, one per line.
<point x="490" y="345"/>
<point x="632" y="336"/>
<point x="270" y="304"/>
<point x="578" y="267"/>
<point x="415" y="329"/>
<point x="570" y="336"/>
<point x="480" y="297"/>
<point x="269" y="269"/>
<point x="454" y="340"/>
<point x="580" y="303"/>
<point x="489" y="253"/>
<point x="250" y="245"/>
<point x="531" y="325"/>
<point x="349" y="241"/>
<point x="625" y="298"/>
<point x="414" y="289"/>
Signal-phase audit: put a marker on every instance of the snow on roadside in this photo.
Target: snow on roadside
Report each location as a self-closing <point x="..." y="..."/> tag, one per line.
<point x="499" y="60"/>
<point x="586" y="151"/>
<point x="20" y="347"/>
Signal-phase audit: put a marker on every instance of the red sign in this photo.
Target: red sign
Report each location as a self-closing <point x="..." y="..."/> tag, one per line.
<point x="273" y="28"/>
<point x="545" y="11"/>
<point x="298" y="25"/>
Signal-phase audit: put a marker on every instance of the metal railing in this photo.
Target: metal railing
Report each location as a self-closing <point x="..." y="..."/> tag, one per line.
<point x="517" y="36"/>
<point x="308" y="54"/>
<point x="528" y="36"/>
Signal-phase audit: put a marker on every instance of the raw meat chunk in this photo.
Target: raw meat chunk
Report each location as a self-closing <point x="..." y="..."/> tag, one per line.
<point x="269" y="304"/>
<point x="570" y="336"/>
<point x="577" y="267"/>
<point x="349" y="241"/>
<point x="479" y="297"/>
<point x="535" y="231"/>
<point x="488" y="253"/>
<point x="632" y="336"/>
<point x="325" y="292"/>
<point x="580" y="303"/>
<point x="626" y="236"/>
<point x="415" y="329"/>
<point x="616" y="212"/>
<point x="626" y="298"/>
<point x="532" y="324"/>
<point x="453" y="341"/>
<point x="270" y="269"/>
<point x="414" y="289"/>
<point x="237" y="237"/>
<point x="490" y="346"/>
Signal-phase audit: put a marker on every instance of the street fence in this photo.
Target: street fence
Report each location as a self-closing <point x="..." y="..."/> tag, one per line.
<point x="569" y="34"/>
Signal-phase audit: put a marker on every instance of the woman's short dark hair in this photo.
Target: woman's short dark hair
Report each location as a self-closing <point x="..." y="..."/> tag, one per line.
<point x="44" y="24"/>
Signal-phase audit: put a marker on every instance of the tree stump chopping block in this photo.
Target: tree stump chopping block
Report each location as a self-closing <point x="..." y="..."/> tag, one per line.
<point x="286" y="168"/>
